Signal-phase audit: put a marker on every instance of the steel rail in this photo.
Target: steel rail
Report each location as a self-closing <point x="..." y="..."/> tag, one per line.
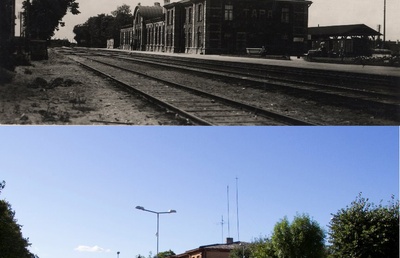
<point x="250" y="108"/>
<point x="159" y="102"/>
<point x="257" y="111"/>
<point x="260" y="78"/>
<point x="393" y="110"/>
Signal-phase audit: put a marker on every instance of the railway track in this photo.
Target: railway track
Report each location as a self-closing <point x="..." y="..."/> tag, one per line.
<point x="198" y="107"/>
<point x="375" y="103"/>
<point x="375" y="94"/>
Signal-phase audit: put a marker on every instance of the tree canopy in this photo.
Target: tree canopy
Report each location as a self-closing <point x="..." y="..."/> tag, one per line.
<point x="12" y="243"/>
<point x="364" y="229"/>
<point x="166" y="254"/>
<point x="43" y="17"/>
<point x="302" y="238"/>
<point x="97" y="29"/>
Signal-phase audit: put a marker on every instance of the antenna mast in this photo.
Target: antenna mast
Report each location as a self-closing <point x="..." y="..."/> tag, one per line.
<point x="222" y="227"/>
<point x="384" y="23"/>
<point x="237" y="208"/>
<point x="229" y="229"/>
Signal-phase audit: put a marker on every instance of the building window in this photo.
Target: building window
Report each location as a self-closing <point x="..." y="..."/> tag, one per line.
<point x="168" y="13"/>
<point x="190" y="37"/>
<point x="172" y="17"/>
<point x="190" y="15"/>
<point x="285" y="15"/>
<point x="228" y="12"/>
<point x="199" y="45"/>
<point x="199" y="12"/>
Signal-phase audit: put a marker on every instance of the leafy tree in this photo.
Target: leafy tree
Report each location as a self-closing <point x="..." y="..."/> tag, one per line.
<point x="262" y="248"/>
<point x="365" y="230"/>
<point x="123" y="16"/>
<point x="122" y="10"/>
<point x="12" y="243"/>
<point x="303" y="238"/>
<point x="241" y="251"/>
<point x="98" y="29"/>
<point x="165" y="254"/>
<point x="2" y="185"/>
<point x="82" y="35"/>
<point x="43" y="17"/>
<point x="95" y="31"/>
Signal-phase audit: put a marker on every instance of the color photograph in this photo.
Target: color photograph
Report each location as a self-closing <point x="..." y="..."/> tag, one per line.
<point x="148" y="192"/>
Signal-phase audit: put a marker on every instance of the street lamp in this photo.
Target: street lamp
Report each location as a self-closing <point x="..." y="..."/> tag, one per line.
<point x="158" y="219"/>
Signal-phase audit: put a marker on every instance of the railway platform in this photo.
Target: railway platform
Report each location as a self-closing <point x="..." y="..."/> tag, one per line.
<point x="292" y="62"/>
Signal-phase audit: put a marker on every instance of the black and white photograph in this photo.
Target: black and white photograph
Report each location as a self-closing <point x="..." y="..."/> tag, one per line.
<point x="200" y="62"/>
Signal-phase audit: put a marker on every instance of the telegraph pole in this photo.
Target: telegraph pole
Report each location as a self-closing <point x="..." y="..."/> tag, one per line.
<point x="384" y="23"/>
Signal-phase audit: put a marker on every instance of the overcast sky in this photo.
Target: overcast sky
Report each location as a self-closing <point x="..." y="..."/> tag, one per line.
<point x="322" y="12"/>
<point x="75" y="189"/>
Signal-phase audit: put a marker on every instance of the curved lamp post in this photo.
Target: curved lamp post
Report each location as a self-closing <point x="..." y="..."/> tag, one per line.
<point x="158" y="219"/>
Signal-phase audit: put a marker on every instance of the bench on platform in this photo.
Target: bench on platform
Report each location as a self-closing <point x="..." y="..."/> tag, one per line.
<point x="254" y="51"/>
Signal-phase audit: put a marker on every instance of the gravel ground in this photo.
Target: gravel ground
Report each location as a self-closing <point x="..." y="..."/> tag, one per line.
<point x="60" y="92"/>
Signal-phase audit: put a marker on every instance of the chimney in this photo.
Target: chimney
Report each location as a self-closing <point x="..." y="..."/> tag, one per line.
<point x="157" y="4"/>
<point x="229" y="240"/>
<point x="166" y="2"/>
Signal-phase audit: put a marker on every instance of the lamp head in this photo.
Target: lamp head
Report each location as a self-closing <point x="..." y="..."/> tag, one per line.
<point x="140" y="208"/>
<point x="172" y="211"/>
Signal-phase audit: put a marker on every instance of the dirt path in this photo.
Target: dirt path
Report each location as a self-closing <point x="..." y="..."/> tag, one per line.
<point x="60" y="92"/>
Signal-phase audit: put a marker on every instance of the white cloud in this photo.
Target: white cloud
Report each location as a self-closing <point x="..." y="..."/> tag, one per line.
<point x="92" y="249"/>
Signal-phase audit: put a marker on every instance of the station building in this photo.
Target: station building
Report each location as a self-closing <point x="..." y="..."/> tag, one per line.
<point x="222" y="26"/>
<point x="212" y="251"/>
<point x="126" y="35"/>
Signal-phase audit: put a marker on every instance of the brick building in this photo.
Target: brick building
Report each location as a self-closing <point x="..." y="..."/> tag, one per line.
<point x="212" y="251"/>
<point x="222" y="26"/>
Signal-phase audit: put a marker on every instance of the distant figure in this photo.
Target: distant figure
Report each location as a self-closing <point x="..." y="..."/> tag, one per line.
<point x="341" y="54"/>
<point x="263" y="51"/>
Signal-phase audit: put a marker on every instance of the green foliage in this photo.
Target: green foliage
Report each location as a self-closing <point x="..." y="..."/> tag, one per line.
<point x="166" y="254"/>
<point x="282" y="239"/>
<point x="2" y="185"/>
<point x="365" y="230"/>
<point x="303" y="238"/>
<point x="12" y="243"/>
<point x="262" y="248"/>
<point x="98" y="29"/>
<point x="43" y="17"/>
<point x="241" y="251"/>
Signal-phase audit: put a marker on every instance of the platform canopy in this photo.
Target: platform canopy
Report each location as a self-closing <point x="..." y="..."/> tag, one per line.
<point x="356" y="30"/>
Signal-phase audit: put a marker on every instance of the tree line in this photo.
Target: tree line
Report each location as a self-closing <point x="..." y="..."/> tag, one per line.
<point x="98" y="29"/>
<point x="361" y="230"/>
<point x="41" y="18"/>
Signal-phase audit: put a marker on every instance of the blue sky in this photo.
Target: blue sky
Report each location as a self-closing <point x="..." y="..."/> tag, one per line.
<point x="75" y="189"/>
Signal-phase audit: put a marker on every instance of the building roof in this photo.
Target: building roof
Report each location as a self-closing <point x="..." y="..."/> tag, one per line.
<point x="149" y="12"/>
<point x="214" y="247"/>
<point x="221" y="246"/>
<point x="342" y="30"/>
